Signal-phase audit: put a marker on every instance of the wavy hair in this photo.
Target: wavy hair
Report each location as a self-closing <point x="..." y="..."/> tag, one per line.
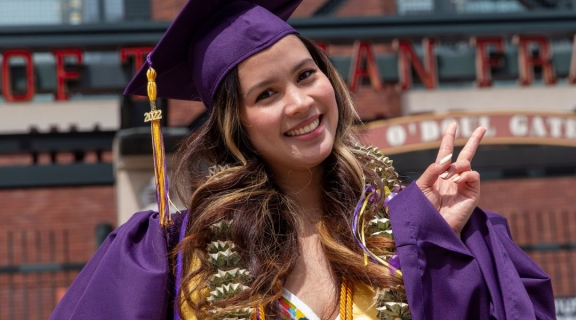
<point x="266" y="235"/>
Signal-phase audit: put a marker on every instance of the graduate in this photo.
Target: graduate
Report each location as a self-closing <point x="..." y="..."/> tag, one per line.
<point x="289" y="215"/>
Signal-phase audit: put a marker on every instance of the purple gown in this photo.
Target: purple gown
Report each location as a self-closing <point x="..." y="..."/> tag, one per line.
<point x="483" y="276"/>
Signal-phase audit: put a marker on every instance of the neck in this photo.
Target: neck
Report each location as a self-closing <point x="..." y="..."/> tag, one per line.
<point x="305" y="188"/>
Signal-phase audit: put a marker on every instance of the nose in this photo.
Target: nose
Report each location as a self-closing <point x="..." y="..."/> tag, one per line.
<point x="297" y="101"/>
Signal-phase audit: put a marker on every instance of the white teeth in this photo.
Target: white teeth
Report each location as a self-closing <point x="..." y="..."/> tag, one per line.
<point x="307" y="129"/>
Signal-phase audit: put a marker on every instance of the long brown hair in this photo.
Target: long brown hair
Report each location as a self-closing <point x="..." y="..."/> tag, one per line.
<point x="264" y="222"/>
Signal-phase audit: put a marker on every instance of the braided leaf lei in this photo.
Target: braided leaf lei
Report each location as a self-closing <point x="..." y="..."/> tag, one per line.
<point x="229" y="276"/>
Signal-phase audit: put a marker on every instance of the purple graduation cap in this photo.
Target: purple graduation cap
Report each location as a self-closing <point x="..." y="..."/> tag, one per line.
<point x="207" y="40"/>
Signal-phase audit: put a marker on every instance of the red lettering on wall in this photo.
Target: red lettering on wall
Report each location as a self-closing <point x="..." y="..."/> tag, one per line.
<point x="526" y="61"/>
<point x="61" y="74"/>
<point x="484" y="63"/>
<point x="138" y="55"/>
<point x="572" y="74"/>
<point x="322" y="45"/>
<point x="363" y="64"/>
<point x="7" y="79"/>
<point x="407" y="57"/>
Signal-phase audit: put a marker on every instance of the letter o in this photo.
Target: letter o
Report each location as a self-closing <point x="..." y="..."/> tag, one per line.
<point x="396" y="135"/>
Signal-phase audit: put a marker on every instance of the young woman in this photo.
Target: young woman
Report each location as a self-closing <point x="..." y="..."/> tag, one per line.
<point x="289" y="216"/>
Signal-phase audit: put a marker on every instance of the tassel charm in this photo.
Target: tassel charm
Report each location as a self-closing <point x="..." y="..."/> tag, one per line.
<point x="359" y="228"/>
<point x="159" y="154"/>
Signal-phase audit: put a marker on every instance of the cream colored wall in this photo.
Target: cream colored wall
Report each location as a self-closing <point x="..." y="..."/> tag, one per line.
<point x="83" y="115"/>
<point x="559" y="97"/>
<point x="132" y="175"/>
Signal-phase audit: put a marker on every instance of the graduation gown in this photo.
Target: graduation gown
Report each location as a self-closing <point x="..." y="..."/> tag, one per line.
<point x="482" y="275"/>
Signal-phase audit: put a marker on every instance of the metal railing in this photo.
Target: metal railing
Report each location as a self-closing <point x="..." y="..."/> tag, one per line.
<point x="451" y="7"/>
<point x="36" y="269"/>
<point x="550" y="239"/>
<point x="75" y="12"/>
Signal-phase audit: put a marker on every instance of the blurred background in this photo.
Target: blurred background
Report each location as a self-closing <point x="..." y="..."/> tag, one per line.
<point x="75" y="155"/>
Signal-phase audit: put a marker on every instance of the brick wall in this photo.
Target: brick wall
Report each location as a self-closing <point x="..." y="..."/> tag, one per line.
<point x="47" y="226"/>
<point x="518" y="195"/>
<point x="367" y="8"/>
<point x="75" y="209"/>
<point x="181" y="113"/>
<point x="307" y="8"/>
<point x="539" y="211"/>
<point x="166" y="10"/>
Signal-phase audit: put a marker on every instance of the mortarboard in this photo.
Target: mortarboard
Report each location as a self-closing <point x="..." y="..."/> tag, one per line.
<point x="207" y="39"/>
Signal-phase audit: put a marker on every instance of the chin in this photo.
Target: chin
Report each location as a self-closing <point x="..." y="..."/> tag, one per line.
<point x="317" y="158"/>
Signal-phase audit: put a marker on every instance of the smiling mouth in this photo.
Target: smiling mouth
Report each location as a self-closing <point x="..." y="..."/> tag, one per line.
<point x="307" y="129"/>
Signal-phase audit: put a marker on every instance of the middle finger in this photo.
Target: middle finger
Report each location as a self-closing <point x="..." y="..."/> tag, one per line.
<point x="447" y="144"/>
<point x="469" y="149"/>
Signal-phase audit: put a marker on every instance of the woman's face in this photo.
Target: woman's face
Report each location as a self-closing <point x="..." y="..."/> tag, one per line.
<point x="288" y="106"/>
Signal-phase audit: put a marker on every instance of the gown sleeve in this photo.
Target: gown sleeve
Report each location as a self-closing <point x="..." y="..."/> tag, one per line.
<point x="482" y="275"/>
<point x="129" y="277"/>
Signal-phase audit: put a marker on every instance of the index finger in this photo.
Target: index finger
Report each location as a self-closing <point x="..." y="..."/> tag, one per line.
<point x="472" y="144"/>
<point x="447" y="144"/>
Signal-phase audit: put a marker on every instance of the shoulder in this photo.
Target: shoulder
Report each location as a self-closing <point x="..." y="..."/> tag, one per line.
<point x="129" y="276"/>
<point x="146" y="225"/>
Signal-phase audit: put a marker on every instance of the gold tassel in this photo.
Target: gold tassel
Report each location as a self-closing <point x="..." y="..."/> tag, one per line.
<point x="154" y="117"/>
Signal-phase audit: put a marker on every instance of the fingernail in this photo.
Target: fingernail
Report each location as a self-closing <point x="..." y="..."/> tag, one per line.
<point x="446" y="159"/>
<point x="444" y="175"/>
<point x="457" y="178"/>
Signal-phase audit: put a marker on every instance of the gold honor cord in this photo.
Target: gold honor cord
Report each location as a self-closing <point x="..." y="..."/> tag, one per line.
<point x="346" y="296"/>
<point x="345" y="305"/>
<point x="159" y="154"/>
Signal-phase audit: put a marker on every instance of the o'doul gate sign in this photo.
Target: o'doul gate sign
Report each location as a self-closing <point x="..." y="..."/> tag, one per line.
<point x="421" y="132"/>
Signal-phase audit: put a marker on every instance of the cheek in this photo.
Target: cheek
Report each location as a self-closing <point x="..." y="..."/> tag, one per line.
<point x="329" y="97"/>
<point x="326" y="91"/>
<point x="259" y="128"/>
<point x="247" y="124"/>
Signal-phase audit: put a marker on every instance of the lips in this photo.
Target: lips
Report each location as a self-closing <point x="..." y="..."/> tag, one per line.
<point x="304" y="130"/>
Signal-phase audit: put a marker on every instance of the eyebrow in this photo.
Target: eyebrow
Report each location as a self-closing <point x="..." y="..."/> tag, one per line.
<point x="269" y="81"/>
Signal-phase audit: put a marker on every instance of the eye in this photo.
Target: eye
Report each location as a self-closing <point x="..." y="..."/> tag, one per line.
<point x="306" y="74"/>
<point x="264" y="95"/>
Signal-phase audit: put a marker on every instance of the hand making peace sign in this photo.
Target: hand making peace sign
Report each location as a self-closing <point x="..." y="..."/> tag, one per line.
<point x="453" y="188"/>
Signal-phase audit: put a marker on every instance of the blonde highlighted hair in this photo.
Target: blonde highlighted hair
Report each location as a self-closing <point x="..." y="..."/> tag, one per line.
<point x="266" y="235"/>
